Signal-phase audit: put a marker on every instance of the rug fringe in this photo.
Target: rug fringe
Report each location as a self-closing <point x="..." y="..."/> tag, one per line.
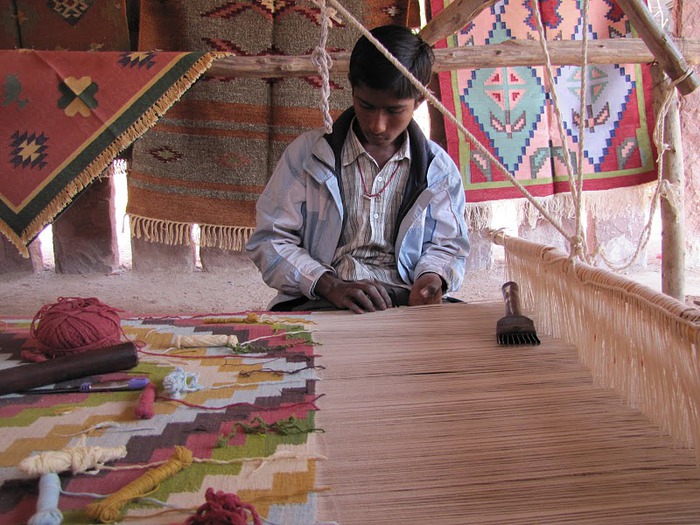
<point x="230" y="238"/>
<point x="96" y="168"/>
<point x="14" y="239"/>
<point x="233" y="238"/>
<point x="639" y="342"/>
<point x="160" y="231"/>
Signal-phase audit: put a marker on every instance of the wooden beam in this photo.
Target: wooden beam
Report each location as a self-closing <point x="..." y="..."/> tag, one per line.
<point x="510" y="53"/>
<point x="661" y="45"/>
<point x="452" y="19"/>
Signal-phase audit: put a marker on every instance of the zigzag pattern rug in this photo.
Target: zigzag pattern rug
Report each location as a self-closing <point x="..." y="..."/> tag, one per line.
<point x="250" y="425"/>
<point x="510" y="110"/>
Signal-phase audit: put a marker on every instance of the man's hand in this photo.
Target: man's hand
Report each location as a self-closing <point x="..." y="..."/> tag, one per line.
<point x="358" y="296"/>
<point x="426" y="290"/>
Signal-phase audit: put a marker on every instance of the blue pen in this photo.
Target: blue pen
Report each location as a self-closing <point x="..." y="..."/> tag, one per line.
<point x="137" y="383"/>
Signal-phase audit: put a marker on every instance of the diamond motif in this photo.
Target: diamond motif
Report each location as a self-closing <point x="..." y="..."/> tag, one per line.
<point x="70" y="10"/>
<point x="165" y="154"/>
<point x="28" y="150"/>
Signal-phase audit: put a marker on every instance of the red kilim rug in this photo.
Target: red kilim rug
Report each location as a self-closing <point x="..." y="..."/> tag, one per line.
<point x="65" y="117"/>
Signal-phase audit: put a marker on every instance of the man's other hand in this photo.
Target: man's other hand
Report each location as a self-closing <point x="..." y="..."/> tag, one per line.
<point x="426" y="290"/>
<point x="358" y="296"/>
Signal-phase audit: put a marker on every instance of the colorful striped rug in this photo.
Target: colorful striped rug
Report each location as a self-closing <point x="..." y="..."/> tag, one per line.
<point x="247" y="415"/>
<point x="207" y="161"/>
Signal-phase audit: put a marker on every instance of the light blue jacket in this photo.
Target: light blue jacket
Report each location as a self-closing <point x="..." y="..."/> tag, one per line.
<point x="300" y="215"/>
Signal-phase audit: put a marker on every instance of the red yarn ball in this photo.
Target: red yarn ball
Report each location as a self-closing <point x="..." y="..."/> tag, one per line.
<point x="74" y="325"/>
<point x="222" y="508"/>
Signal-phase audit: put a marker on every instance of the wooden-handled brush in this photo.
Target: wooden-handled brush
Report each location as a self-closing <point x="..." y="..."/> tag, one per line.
<point x="515" y="328"/>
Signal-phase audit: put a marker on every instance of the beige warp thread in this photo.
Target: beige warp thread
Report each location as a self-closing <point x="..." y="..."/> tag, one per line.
<point x="76" y="459"/>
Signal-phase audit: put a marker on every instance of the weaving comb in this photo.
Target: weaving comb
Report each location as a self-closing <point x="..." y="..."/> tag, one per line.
<point x="515" y="328"/>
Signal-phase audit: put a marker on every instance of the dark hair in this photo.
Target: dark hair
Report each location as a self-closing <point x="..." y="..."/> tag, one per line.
<point x="370" y="67"/>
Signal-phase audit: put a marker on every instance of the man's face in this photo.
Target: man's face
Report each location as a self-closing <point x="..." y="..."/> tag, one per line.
<point x="382" y="116"/>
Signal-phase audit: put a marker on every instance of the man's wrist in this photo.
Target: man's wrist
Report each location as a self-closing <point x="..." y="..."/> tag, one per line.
<point x="442" y="279"/>
<point x="324" y="284"/>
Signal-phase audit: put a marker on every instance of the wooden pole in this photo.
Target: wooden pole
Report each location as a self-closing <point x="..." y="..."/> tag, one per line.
<point x="672" y="209"/>
<point x="661" y="45"/>
<point x="672" y="204"/>
<point x="510" y="53"/>
<point x="452" y="19"/>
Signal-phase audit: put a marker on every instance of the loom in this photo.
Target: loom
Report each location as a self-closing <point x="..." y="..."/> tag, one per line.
<point x="430" y="421"/>
<point x="435" y="423"/>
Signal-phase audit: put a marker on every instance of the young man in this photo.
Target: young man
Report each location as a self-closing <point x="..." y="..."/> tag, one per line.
<point x="371" y="215"/>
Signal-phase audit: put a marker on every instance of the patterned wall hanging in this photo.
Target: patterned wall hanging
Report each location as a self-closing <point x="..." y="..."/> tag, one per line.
<point x="61" y="25"/>
<point x="510" y="109"/>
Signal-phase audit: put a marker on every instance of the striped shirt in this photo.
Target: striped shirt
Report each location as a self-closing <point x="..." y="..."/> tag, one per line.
<point x="366" y="250"/>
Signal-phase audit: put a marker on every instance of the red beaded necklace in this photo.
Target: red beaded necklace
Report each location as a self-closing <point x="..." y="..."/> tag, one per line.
<point x="365" y="192"/>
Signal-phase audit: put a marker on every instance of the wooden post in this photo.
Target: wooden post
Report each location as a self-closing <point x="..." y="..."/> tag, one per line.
<point x="671" y="206"/>
<point x="673" y="209"/>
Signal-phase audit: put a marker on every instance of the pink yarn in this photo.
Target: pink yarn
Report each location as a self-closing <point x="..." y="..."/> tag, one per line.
<point x="144" y="409"/>
<point x="74" y="325"/>
<point x="223" y="509"/>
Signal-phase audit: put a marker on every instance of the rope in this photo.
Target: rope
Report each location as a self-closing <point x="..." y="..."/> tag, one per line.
<point x="323" y="61"/>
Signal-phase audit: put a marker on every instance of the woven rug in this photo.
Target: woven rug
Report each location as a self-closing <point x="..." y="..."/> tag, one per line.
<point x="64" y="119"/>
<point x="248" y="419"/>
<point x="208" y="160"/>
<point x="510" y="110"/>
<point x="61" y="25"/>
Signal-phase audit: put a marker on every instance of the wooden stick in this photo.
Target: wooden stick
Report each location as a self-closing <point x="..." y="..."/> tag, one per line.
<point x="660" y="44"/>
<point x="101" y="361"/>
<point x="453" y="18"/>
<point x="510" y="53"/>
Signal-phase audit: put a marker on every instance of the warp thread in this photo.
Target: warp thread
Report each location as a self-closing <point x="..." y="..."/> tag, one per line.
<point x="73" y="325"/>
<point x="76" y="459"/>
<point x="47" y="512"/>
<point x="221" y="507"/>
<point x="109" y="509"/>
<point x="145" y="407"/>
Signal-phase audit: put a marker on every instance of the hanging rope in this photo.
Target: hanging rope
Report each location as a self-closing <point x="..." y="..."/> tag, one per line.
<point x="323" y="61"/>
<point x="577" y="244"/>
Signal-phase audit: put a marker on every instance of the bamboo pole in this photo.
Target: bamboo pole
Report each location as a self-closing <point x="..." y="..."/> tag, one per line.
<point x="510" y="53"/>
<point x="661" y="45"/>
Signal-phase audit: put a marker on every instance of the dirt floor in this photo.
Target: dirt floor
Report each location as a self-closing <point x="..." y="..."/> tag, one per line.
<point x="237" y="290"/>
<point x="199" y="292"/>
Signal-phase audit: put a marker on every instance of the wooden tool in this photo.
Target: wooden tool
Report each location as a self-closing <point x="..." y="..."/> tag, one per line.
<point x="515" y="328"/>
<point x="101" y="361"/>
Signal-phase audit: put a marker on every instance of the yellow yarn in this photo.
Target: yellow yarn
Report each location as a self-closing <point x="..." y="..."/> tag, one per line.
<point x="109" y="509"/>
